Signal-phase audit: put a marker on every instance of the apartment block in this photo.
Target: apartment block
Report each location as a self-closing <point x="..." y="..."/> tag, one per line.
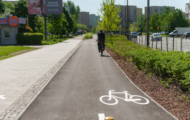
<point x="94" y="20"/>
<point x="139" y="12"/>
<point x="187" y="11"/>
<point x="85" y="18"/>
<point x="156" y="9"/>
<point x="123" y="14"/>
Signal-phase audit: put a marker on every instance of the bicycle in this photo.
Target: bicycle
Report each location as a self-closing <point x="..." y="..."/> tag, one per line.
<point x="128" y="98"/>
<point x="101" y="48"/>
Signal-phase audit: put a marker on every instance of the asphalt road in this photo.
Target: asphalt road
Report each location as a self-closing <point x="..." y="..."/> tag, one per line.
<point x="74" y="93"/>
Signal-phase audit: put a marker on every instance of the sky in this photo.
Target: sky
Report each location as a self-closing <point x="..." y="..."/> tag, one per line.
<point x="92" y="6"/>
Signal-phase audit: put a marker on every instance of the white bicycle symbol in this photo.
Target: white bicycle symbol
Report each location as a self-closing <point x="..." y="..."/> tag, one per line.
<point x="106" y="99"/>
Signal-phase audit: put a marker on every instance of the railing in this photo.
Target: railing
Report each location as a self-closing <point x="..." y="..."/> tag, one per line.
<point x="165" y="44"/>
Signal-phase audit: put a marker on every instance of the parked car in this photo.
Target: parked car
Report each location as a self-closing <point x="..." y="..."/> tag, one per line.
<point x="133" y="34"/>
<point x="186" y="35"/>
<point x="156" y="36"/>
<point x="163" y="33"/>
<point x="139" y="33"/>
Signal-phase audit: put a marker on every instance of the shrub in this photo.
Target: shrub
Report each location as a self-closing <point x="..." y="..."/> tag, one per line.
<point x="173" y="65"/>
<point x="29" y="38"/>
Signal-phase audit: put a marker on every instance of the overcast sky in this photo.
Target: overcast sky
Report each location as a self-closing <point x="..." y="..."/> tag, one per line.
<point x="92" y="6"/>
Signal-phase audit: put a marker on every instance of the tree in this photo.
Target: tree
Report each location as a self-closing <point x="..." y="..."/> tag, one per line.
<point x="109" y="15"/>
<point x="134" y="27"/>
<point x="69" y="20"/>
<point x="140" y="21"/>
<point x="21" y="9"/>
<point x="58" y="23"/>
<point x="2" y="7"/>
<point x="177" y="19"/>
<point x="10" y="6"/>
<point x="82" y="27"/>
<point x="154" y="22"/>
<point x="73" y="9"/>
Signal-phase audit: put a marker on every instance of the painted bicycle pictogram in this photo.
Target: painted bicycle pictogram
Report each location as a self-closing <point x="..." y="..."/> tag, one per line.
<point x="111" y="99"/>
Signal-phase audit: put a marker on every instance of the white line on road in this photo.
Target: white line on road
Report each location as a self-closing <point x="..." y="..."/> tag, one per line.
<point x="101" y="116"/>
<point x="2" y="97"/>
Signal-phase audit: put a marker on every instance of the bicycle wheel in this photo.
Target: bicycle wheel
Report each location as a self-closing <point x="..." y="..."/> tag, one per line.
<point x="142" y="101"/>
<point x="104" y="99"/>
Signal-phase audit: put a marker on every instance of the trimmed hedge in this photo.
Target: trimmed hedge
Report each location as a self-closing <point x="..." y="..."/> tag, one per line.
<point x="172" y="65"/>
<point x="29" y="38"/>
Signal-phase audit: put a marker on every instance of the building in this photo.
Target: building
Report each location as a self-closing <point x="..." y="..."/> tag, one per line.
<point x="187" y="11"/>
<point x="139" y="12"/>
<point x="156" y="9"/>
<point x="123" y="14"/>
<point x="85" y="18"/>
<point x="9" y="30"/>
<point x="5" y="1"/>
<point x="94" y="20"/>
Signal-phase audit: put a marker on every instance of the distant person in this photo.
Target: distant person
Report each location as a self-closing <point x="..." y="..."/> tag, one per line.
<point x="101" y="38"/>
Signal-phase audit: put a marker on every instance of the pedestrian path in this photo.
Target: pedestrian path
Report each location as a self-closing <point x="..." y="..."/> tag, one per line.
<point x="22" y="77"/>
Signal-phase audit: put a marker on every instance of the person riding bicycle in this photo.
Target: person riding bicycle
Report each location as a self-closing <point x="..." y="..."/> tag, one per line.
<point x="101" y="38"/>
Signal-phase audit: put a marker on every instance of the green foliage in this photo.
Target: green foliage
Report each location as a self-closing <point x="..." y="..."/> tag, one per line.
<point x="88" y="36"/>
<point x="59" y="24"/>
<point x="173" y="65"/>
<point x="74" y="10"/>
<point x="2" y="7"/>
<point x="154" y="22"/>
<point x="184" y="98"/>
<point x="109" y="15"/>
<point x="10" y="6"/>
<point x="134" y="27"/>
<point x="140" y="21"/>
<point x="82" y="26"/>
<point x="21" y="9"/>
<point x="29" y="38"/>
<point x="70" y="21"/>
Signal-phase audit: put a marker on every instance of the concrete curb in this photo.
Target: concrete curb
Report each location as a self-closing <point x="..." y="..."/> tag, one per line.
<point x="15" y="111"/>
<point x="141" y="90"/>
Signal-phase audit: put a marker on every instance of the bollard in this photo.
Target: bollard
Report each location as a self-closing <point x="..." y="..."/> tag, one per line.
<point x="109" y="118"/>
<point x="173" y="43"/>
<point x="167" y="43"/>
<point x="161" y="44"/>
<point x="152" y="41"/>
<point x="181" y="44"/>
<point x="156" y="44"/>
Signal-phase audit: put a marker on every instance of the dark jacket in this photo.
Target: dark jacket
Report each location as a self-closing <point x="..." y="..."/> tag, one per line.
<point x="101" y="36"/>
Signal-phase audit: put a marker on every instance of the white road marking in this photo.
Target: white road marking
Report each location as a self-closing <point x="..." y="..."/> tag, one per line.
<point x="2" y="97"/>
<point x="101" y="116"/>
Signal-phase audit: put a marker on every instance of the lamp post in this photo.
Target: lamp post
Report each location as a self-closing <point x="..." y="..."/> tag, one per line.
<point x="148" y="12"/>
<point x="127" y="20"/>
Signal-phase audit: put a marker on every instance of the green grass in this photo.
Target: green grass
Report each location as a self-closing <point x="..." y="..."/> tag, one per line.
<point x="172" y="66"/>
<point x="6" y="51"/>
<point x="88" y="36"/>
<point x="51" y="41"/>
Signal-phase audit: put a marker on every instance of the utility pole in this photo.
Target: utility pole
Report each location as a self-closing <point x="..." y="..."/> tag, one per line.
<point x="148" y="12"/>
<point x="127" y="20"/>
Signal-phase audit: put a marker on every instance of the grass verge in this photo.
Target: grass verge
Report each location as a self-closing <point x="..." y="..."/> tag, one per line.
<point x="10" y="51"/>
<point x="52" y="41"/>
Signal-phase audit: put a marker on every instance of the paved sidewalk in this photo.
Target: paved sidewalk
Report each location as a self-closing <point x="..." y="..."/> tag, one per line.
<point x="22" y="77"/>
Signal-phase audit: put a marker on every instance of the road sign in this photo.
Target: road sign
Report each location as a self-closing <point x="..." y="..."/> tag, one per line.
<point x="13" y="21"/>
<point x="157" y="27"/>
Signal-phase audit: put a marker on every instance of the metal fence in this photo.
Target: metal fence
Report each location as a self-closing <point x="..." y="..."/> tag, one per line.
<point x="165" y="44"/>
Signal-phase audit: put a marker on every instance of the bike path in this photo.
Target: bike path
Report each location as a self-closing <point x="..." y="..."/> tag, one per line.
<point x="74" y="92"/>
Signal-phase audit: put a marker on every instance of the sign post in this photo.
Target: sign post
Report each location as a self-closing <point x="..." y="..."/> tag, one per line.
<point x="45" y="7"/>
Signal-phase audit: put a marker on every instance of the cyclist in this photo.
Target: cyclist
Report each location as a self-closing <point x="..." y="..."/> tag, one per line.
<point x="101" y="38"/>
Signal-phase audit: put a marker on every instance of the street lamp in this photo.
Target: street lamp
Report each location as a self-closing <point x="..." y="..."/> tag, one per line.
<point x="148" y="9"/>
